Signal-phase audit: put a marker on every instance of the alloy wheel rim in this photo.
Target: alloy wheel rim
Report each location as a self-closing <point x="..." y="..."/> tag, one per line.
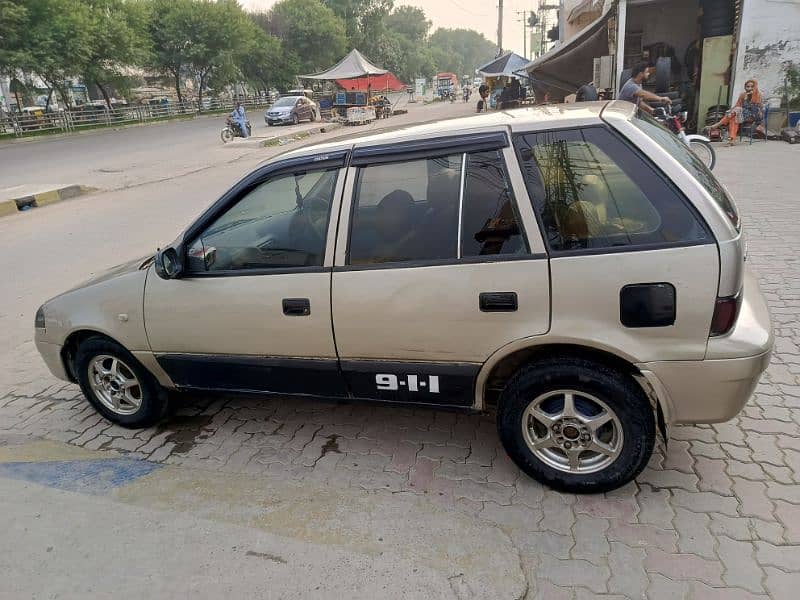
<point x="572" y="431"/>
<point x="115" y="385"/>
<point x="702" y="152"/>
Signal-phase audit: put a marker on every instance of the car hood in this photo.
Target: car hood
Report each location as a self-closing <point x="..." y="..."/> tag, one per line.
<point x="126" y="267"/>
<point x="280" y="109"/>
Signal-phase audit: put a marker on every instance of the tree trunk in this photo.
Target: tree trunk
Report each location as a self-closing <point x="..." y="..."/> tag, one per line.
<point x="177" y="75"/>
<point x="19" y="102"/>
<point x="49" y="97"/>
<point x="104" y="92"/>
<point x="200" y="92"/>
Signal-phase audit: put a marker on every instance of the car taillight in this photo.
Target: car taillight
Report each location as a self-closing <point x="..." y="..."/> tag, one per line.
<point x="725" y="312"/>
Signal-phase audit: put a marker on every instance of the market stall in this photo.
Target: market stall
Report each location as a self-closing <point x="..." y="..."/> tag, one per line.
<point x="362" y="87"/>
<point x="506" y="77"/>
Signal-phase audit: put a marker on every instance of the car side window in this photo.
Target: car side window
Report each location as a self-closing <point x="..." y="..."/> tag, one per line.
<point x="490" y="223"/>
<point x="280" y="223"/>
<point x="406" y="211"/>
<point x="592" y="191"/>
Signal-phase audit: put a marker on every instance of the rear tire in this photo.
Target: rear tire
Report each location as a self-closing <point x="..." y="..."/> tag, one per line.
<point x="601" y="444"/>
<point x="117" y="384"/>
<point x="705" y="152"/>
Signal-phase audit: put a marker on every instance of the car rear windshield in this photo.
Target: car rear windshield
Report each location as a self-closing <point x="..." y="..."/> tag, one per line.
<point x="680" y="152"/>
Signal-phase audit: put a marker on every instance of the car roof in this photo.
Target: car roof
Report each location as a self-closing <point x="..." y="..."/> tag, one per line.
<point x="533" y="118"/>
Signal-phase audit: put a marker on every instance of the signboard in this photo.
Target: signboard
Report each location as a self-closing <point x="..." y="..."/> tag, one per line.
<point x="341" y="98"/>
<point x="420" y="86"/>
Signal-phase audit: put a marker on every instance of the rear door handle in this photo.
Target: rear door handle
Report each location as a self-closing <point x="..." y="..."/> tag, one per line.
<point x="498" y="301"/>
<point x="296" y="307"/>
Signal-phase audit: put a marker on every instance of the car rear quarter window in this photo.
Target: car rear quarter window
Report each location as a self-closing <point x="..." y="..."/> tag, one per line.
<point x="594" y="192"/>
<point x="680" y="152"/>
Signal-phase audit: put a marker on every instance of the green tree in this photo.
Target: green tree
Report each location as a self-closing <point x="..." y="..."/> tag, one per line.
<point x="310" y="33"/>
<point x="409" y="22"/>
<point x="13" y="22"/>
<point x="364" y="22"/>
<point x="165" y="26"/>
<point x="57" y="42"/>
<point x="119" y="40"/>
<point x="460" y="51"/>
<point x="264" y="62"/>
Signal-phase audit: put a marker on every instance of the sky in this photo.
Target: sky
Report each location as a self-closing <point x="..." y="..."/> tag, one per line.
<point x="480" y="15"/>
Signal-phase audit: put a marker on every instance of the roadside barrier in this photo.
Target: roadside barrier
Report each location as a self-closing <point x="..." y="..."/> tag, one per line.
<point x="95" y="115"/>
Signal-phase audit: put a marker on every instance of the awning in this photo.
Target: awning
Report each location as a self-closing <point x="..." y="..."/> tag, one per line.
<point x="507" y="65"/>
<point x="377" y="83"/>
<point x="565" y="68"/>
<point x="352" y="65"/>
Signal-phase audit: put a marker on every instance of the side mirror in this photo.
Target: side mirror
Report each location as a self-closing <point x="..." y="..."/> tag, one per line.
<point x="168" y="264"/>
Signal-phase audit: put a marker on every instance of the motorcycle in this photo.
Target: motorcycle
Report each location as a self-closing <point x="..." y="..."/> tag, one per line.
<point x="699" y="144"/>
<point x="233" y="130"/>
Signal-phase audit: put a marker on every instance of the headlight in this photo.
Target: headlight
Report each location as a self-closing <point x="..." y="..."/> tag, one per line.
<point x="39" y="321"/>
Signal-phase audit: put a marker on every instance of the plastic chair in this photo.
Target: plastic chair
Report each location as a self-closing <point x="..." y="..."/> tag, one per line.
<point x="750" y="128"/>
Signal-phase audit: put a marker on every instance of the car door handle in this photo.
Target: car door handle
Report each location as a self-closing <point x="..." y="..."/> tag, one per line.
<point x="296" y="307"/>
<point x="497" y="301"/>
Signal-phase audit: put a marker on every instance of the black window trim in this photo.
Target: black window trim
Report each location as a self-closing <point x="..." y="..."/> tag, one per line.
<point x="612" y="249"/>
<point x="428" y="148"/>
<point x="436" y="262"/>
<point x="317" y="162"/>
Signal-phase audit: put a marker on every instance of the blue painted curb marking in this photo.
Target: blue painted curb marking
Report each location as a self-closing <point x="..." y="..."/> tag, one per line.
<point x="95" y="477"/>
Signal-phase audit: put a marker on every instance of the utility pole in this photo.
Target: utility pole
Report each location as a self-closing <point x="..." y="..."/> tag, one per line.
<point x="500" y="28"/>
<point x="524" y="20"/>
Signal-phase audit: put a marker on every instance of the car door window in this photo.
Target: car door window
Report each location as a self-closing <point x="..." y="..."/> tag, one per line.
<point x="406" y="211"/>
<point x="490" y="223"/>
<point x="593" y="191"/>
<point x="280" y="223"/>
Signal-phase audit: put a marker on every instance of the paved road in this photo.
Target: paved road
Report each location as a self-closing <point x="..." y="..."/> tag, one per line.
<point x="307" y="485"/>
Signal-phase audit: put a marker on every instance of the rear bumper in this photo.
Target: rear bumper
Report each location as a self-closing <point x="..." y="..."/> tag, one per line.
<point x="715" y="389"/>
<point x="705" y="391"/>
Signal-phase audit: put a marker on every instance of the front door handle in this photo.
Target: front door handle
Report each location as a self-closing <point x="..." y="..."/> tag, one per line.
<point x="296" y="307"/>
<point x="498" y="301"/>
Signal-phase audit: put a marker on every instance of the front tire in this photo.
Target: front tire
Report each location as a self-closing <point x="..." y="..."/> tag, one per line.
<point x="117" y="385"/>
<point x="576" y="425"/>
<point x="705" y="152"/>
<point x="226" y="135"/>
<point x="295" y="119"/>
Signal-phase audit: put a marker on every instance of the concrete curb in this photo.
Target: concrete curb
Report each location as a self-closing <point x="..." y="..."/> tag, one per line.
<point x="43" y="198"/>
<point x="300" y="135"/>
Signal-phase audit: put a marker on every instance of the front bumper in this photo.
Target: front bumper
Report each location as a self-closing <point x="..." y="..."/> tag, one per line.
<point x="717" y="388"/>
<point x="278" y="119"/>
<point x="51" y="354"/>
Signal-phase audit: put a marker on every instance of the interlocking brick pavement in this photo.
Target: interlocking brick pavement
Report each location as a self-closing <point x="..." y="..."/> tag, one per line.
<point x="717" y="515"/>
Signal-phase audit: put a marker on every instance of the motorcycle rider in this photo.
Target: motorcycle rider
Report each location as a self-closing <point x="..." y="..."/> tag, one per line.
<point x="632" y="90"/>
<point x="240" y="118"/>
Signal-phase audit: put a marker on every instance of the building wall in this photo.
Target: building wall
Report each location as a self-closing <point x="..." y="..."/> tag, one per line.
<point x="673" y="22"/>
<point x="769" y="39"/>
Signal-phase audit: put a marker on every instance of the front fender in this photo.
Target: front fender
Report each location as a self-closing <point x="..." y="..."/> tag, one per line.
<point x="697" y="138"/>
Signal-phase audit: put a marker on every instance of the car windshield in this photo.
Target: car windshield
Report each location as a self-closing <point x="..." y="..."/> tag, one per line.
<point x="689" y="160"/>
<point x="288" y="101"/>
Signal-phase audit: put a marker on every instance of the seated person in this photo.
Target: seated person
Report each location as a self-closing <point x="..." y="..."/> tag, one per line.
<point x="749" y="108"/>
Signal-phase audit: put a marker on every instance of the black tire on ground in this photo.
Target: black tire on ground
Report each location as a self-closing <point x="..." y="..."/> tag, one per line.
<point x="617" y="390"/>
<point x="154" y="398"/>
<point x="295" y="119"/>
<point x="663" y="74"/>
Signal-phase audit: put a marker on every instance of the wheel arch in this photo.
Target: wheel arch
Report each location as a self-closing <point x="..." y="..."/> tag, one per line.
<point x="500" y="367"/>
<point x="71" y="344"/>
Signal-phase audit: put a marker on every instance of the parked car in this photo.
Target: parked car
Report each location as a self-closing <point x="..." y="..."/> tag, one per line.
<point x="575" y="269"/>
<point x="291" y="109"/>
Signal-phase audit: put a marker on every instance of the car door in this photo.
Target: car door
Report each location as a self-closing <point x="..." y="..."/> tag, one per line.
<point x="439" y="264"/>
<point x="252" y="308"/>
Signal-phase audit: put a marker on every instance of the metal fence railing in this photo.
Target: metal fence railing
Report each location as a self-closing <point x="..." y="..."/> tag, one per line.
<point x="93" y="116"/>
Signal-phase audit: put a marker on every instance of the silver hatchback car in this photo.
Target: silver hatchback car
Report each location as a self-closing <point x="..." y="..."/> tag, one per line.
<point x="574" y="268"/>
